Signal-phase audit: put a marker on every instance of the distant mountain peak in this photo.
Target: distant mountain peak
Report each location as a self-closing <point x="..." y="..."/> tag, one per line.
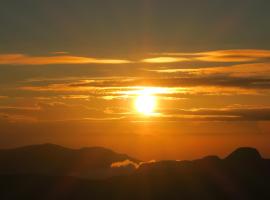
<point x="40" y="147"/>
<point x="51" y="146"/>
<point x="52" y="159"/>
<point x="244" y="154"/>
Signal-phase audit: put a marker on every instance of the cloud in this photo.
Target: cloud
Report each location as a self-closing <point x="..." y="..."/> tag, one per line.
<point x="116" y="89"/>
<point x="86" y="97"/>
<point x="164" y="60"/>
<point x="240" y="70"/>
<point x="233" y="113"/>
<point x="243" y="70"/>
<point x="22" y="59"/>
<point x="53" y="111"/>
<point x="251" y="75"/>
<point x="20" y="108"/>
<point x="16" y="118"/>
<point x="234" y="55"/>
<point x="127" y="163"/>
<point x="60" y="111"/>
<point x="231" y="55"/>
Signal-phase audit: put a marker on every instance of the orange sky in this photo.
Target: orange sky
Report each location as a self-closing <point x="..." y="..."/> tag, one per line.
<point x="71" y="74"/>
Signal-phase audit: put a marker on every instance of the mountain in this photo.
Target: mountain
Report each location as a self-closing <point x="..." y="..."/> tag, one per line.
<point x="244" y="154"/>
<point x="54" y="160"/>
<point x="243" y="175"/>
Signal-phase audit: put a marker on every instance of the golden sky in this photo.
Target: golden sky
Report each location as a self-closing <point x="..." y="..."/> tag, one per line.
<point x="135" y="77"/>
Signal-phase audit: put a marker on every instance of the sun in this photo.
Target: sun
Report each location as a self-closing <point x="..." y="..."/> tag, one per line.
<point x="145" y="103"/>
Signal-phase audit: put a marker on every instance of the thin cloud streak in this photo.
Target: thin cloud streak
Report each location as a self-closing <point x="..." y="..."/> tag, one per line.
<point x="22" y="59"/>
<point x="164" y="60"/>
<point x="60" y="111"/>
<point x="240" y="70"/>
<point x="237" y="113"/>
<point x="231" y="55"/>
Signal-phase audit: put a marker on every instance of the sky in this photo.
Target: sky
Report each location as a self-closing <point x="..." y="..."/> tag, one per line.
<point x="71" y="73"/>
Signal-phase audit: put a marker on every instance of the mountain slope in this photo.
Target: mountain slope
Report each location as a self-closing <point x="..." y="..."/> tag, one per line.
<point x="49" y="159"/>
<point x="244" y="174"/>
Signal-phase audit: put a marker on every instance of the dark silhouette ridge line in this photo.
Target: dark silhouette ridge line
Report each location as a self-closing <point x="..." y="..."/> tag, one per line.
<point x="51" y="146"/>
<point x="51" y="159"/>
<point x="242" y="175"/>
<point x="55" y="146"/>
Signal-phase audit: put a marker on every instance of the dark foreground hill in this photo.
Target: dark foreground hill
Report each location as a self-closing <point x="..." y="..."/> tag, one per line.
<point x="241" y="175"/>
<point x="54" y="160"/>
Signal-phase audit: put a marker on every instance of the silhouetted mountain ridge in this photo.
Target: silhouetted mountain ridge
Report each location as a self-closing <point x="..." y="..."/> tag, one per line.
<point x="51" y="159"/>
<point x="243" y="175"/>
<point x="244" y="154"/>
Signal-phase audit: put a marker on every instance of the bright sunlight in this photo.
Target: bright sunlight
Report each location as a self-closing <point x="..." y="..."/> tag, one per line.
<point x="145" y="103"/>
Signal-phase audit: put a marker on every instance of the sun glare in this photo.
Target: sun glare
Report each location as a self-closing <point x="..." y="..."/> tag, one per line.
<point x="145" y="103"/>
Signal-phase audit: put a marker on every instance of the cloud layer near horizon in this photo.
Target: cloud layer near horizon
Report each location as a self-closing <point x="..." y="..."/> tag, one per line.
<point x="22" y="59"/>
<point x="100" y="96"/>
<point x="223" y="56"/>
<point x="234" y="55"/>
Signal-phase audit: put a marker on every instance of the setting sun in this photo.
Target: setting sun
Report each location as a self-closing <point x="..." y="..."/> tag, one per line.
<point x="145" y="103"/>
<point x="142" y="99"/>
